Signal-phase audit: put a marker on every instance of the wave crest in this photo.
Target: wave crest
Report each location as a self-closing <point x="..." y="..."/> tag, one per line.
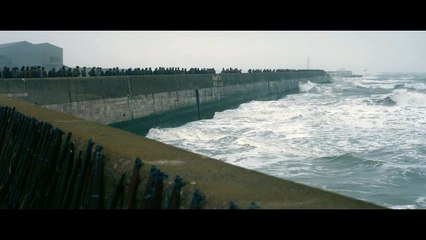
<point x="417" y="86"/>
<point x="307" y="87"/>
<point x="349" y="160"/>
<point x="403" y="97"/>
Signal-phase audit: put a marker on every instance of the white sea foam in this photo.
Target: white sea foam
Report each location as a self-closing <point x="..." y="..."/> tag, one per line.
<point x="306" y="87"/>
<point x="418" y="86"/>
<point x="421" y="201"/>
<point x="403" y="97"/>
<point x="288" y="138"/>
<point x="408" y="206"/>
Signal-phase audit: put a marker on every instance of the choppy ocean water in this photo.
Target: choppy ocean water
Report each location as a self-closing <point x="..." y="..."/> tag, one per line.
<point x="361" y="137"/>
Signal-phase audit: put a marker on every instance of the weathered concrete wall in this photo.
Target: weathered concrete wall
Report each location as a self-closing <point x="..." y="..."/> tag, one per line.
<point x="123" y="98"/>
<point x="219" y="181"/>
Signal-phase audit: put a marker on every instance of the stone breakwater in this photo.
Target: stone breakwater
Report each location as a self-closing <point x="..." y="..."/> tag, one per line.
<point x="109" y="100"/>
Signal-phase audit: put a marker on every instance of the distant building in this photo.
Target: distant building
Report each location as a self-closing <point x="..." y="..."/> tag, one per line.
<point x="24" y="53"/>
<point x="343" y="73"/>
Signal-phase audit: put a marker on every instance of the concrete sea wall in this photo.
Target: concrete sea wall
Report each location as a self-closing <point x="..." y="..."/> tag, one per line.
<point x="117" y="99"/>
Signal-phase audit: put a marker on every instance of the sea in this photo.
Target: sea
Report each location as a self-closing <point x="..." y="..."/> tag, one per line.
<point x="362" y="137"/>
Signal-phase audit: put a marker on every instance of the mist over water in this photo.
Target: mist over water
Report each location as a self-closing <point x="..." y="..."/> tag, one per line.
<point x="360" y="137"/>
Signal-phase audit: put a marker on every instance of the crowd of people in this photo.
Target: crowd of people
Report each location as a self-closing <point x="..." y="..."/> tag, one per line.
<point x="231" y="70"/>
<point x="278" y="70"/>
<point x="41" y="72"/>
<point x="23" y="72"/>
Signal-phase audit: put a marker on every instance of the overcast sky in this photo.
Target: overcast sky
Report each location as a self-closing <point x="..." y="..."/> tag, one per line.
<point x="356" y="51"/>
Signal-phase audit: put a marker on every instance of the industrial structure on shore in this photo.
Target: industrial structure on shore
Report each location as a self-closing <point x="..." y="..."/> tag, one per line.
<point x="28" y="54"/>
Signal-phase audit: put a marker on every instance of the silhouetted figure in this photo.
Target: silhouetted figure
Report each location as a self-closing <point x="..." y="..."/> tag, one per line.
<point x="92" y="72"/>
<point x="52" y="72"/>
<point x="84" y="72"/>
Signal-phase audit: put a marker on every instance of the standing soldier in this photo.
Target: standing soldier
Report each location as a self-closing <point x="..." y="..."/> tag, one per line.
<point x="52" y="72"/>
<point x="83" y="72"/>
<point x="43" y="72"/>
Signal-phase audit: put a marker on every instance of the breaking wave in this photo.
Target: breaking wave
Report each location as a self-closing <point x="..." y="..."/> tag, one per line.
<point x="363" y="138"/>
<point x="308" y="87"/>
<point x="403" y="97"/>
